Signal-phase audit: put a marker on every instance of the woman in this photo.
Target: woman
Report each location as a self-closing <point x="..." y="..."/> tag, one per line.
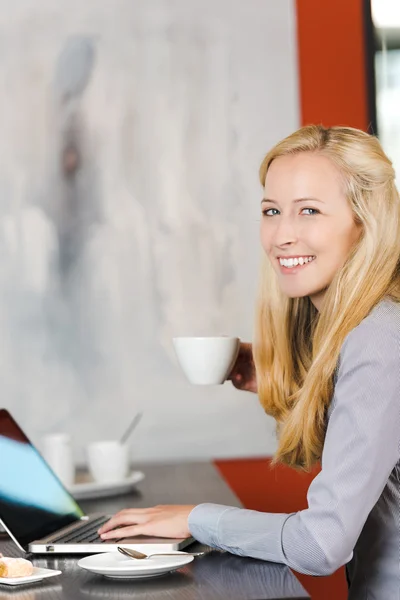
<point x="327" y="367"/>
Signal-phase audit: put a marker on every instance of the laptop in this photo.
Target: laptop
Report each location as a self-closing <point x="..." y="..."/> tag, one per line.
<point x="41" y="516"/>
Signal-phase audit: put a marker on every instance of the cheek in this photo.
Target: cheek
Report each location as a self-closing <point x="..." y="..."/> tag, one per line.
<point x="265" y="238"/>
<point x="347" y="239"/>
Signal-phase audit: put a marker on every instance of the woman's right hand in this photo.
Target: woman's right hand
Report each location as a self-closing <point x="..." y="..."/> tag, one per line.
<point x="243" y="374"/>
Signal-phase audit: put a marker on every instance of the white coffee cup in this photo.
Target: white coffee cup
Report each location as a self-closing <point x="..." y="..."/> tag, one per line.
<point x="108" y="461"/>
<point x="206" y="360"/>
<point x="57" y="452"/>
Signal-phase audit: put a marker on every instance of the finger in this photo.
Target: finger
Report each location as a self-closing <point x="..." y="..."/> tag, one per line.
<point x="237" y="380"/>
<point x="234" y="370"/>
<point x="133" y="511"/>
<point x="130" y="513"/>
<point x="122" y="532"/>
<point x="118" y="520"/>
<point x="234" y="376"/>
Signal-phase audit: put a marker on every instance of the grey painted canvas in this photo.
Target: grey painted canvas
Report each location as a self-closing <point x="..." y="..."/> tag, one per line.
<point x="131" y="137"/>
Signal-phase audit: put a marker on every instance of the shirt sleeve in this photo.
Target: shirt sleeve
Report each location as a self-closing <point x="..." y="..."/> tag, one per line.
<point x="360" y="451"/>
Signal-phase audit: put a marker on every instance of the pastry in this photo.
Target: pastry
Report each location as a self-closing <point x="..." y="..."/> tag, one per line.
<point x="15" y="567"/>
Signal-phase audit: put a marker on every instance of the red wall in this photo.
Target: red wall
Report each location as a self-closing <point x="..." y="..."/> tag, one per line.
<point x="333" y="91"/>
<point x="332" y="73"/>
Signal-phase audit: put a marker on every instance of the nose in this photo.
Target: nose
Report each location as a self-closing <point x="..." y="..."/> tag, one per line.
<point x="285" y="231"/>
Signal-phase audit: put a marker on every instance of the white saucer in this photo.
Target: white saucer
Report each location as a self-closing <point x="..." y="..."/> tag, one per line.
<point x="116" y="566"/>
<point x="94" y="489"/>
<point x="37" y="575"/>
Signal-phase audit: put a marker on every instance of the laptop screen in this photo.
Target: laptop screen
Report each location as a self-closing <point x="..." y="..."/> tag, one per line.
<point x="33" y="502"/>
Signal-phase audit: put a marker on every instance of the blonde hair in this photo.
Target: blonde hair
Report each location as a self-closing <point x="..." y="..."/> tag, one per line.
<point x="296" y="349"/>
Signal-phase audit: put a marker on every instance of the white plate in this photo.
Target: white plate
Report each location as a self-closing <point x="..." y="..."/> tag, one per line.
<point x="94" y="489"/>
<point x="117" y="566"/>
<point x="37" y="575"/>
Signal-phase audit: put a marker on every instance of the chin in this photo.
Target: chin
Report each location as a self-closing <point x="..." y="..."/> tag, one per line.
<point x="297" y="293"/>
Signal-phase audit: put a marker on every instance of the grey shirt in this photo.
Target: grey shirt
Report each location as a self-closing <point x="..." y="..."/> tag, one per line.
<point x="353" y="513"/>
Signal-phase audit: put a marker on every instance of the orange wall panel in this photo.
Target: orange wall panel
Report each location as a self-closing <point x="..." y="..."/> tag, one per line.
<point x="331" y="58"/>
<point x="280" y="489"/>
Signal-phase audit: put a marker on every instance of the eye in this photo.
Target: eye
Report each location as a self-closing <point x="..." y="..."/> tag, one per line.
<point x="266" y="212"/>
<point x="314" y="211"/>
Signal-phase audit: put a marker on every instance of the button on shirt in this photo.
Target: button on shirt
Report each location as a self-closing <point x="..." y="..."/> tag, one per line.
<point x="353" y="514"/>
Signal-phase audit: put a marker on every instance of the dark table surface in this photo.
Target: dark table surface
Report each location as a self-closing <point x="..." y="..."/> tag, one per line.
<point x="215" y="576"/>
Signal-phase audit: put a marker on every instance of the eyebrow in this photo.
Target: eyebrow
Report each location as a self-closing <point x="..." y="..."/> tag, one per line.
<point x="294" y="201"/>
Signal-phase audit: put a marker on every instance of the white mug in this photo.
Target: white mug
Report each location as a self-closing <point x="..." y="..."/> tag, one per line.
<point x="108" y="461"/>
<point x="207" y="360"/>
<point x="57" y="452"/>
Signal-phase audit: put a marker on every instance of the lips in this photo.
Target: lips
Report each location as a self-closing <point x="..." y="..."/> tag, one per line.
<point x="299" y="259"/>
<point x="293" y="269"/>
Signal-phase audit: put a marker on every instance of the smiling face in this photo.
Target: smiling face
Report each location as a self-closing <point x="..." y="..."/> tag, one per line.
<point x="307" y="225"/>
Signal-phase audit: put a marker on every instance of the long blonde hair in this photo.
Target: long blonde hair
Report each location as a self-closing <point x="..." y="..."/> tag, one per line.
<point x="296" y="348"/>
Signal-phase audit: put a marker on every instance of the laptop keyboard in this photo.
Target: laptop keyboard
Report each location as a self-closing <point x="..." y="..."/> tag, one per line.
<point x="85" y="534"/>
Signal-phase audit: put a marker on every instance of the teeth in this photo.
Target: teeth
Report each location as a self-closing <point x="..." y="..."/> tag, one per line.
<point x="293" y="262"/>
